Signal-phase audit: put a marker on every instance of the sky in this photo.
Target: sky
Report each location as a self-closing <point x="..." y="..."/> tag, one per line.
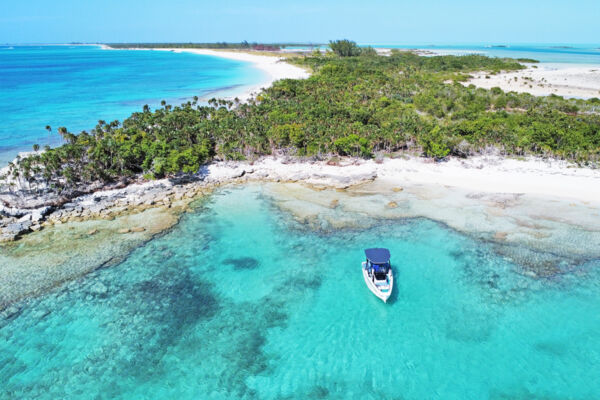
<point x="317" y="21"/>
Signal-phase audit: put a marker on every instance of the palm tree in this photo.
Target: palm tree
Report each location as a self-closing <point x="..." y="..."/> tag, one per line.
<point x="62" y="131"/>
<point x="36" y="147"/>
<point x="49" y="129"/>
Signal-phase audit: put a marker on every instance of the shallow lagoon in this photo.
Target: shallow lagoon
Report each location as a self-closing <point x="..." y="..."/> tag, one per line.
<point x="240" y="300"/>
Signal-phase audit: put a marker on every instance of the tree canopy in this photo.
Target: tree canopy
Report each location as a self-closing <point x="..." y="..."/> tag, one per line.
<point x="351" y="105"/>
<point x="345" y="48"/>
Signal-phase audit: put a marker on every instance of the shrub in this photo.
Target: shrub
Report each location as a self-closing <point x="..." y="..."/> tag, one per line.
<point x="345" y="48"/>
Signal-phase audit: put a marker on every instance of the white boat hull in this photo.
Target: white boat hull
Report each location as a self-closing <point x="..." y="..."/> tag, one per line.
<point x="382" y="291"/>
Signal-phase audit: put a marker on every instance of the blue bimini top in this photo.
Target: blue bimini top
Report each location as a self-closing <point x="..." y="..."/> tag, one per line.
<point x="378" y="256"/>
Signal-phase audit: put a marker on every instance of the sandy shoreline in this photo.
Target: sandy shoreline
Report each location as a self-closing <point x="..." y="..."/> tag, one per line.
<point x="545" y="79"/>
<point x="482" y="174"/>
<point x="490" y="174"/>
<point x="546" y="206"/>
<point x="274" y="68"/>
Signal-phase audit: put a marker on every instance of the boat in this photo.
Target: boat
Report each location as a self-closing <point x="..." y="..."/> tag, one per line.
<point x="377" y="272"/>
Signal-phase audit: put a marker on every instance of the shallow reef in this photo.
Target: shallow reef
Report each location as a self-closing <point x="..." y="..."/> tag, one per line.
<point x="255" y="294"/>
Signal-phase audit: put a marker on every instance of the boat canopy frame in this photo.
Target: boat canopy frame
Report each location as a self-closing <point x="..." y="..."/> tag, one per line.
<point x="378" y="259"/>
<point x="378" y="256"/>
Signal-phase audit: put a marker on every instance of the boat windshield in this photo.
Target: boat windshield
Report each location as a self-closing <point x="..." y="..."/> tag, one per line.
<point x="381" y="268"/>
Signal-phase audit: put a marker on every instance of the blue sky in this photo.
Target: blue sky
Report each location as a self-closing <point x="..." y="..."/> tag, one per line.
<point x="374" y="21"/>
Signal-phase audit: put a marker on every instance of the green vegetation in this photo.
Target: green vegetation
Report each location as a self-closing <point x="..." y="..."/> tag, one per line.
<point x="345" y="48"/>
<point x="354" y="105"/>
<point x="527" y="60"/>
<point x="348" y="48"/>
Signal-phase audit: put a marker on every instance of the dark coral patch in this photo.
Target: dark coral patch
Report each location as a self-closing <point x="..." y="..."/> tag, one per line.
<point x="242" y="263"/>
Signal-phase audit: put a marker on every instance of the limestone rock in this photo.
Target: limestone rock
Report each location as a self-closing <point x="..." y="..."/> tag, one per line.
<point x="25" y="218"/>
<point x="17" y="228"/>
<point x="42" y="212"/>
<point x="7" y="237"/>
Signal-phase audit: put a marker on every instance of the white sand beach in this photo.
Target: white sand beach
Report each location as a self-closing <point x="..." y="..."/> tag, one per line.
<point x="545" y="79"/>
<point x="274" y="67"/>
<point x="489" y="174"/>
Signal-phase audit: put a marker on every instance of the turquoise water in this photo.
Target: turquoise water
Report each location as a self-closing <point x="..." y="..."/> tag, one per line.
<point x="588" y="54"/>
<point x="241" y="301"/>
<point x="75" y="86"/>
<point x="585" y="54"/>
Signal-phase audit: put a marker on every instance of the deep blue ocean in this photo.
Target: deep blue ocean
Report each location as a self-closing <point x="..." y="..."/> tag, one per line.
<point x="75" y="86"/>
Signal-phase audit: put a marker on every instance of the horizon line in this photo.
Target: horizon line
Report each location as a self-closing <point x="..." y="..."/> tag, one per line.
<point x="429" y="44"/>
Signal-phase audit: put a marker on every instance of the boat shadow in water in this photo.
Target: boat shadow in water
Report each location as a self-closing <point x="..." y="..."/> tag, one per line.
<point x="394" y="296"/>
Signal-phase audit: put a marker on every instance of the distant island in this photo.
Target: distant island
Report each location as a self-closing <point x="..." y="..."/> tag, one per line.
<point x="219" y="45"/>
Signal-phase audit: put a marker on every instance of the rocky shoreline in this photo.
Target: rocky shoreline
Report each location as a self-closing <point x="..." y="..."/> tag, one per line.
<point x="538" y="212"/>
<point x="25" y="211"/>
<point x="108" y="203"/>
